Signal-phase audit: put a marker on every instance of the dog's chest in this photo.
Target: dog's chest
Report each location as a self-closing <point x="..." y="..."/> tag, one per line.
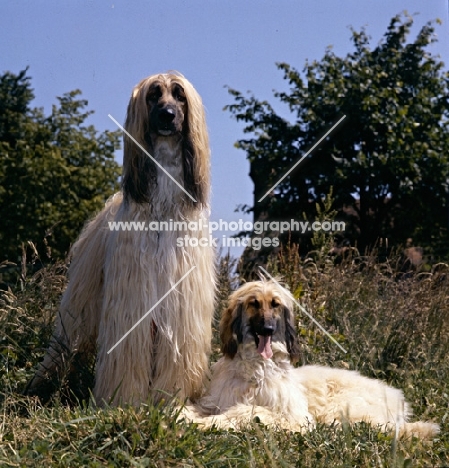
<point x="264" y="377"/>
<point x="168" y="153"/>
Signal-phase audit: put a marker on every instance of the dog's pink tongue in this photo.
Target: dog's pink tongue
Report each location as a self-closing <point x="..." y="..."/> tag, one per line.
<point x="264" y="348"/>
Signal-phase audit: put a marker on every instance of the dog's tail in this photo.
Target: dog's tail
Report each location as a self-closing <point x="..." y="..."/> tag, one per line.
<point x="421" y="429"/>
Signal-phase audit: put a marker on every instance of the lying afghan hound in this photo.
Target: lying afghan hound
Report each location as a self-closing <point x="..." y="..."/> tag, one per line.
<point x="117" y="276"/>
<point x="255" y="377"/>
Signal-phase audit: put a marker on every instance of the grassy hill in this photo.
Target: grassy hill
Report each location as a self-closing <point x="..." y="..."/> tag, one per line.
<point x="394" y="325"/>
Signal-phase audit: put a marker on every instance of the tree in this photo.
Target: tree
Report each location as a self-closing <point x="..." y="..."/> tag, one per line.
<point x="388" y="163"/>
<point x="55" y="171"/>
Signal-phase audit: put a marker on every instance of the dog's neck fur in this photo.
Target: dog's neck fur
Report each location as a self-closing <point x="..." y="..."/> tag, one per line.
<point x="248" y="362"/>
<point x="165" y="198"/>
<point x="168" y="200"/>
<point x="168" y="151"/>
<point x="249" y="379"/>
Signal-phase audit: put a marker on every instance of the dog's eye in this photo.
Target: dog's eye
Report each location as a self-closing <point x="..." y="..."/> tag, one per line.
<point x="180" y="98"/>
<point x="178" y="93"/>
<point x="255" y="303"/>
<point x="154" y="94"/>
<point x="274" y="303"/>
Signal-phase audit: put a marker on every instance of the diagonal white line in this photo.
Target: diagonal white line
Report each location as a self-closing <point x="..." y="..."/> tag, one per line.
<point x="304" y="310"/>
<point x="304" y="156"/>
<point x="155" y="305"/>
<point x="151" y="157"/>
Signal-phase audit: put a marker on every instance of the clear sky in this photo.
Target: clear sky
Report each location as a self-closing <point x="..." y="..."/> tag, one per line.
<point x="105" y="47"/>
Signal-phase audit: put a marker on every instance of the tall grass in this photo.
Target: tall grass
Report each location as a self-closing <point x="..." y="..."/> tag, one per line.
<point x="394" y="325"/>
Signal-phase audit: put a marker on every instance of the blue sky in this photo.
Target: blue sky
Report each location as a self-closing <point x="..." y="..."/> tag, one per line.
<point x="105" y="47"/>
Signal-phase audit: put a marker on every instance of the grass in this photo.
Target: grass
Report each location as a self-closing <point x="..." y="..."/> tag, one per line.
<point x="395" y="326"/>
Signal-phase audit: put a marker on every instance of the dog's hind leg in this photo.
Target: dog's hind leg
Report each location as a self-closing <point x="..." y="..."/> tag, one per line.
<point x="77" y="321"/>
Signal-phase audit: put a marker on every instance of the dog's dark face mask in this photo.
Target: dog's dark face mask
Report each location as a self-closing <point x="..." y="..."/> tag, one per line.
<point x="167" y="107"/>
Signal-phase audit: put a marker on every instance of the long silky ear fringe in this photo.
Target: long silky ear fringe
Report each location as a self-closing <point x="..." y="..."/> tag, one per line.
<point x="197" y="142"/>
<point x="139" y="175"/>
<point x="138" y="169"/>
<point x="194" y="188"/>
<point x="291" y="336"/>
<point x="230" y="328"/>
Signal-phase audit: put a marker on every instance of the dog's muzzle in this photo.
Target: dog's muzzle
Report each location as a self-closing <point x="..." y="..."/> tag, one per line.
<point x="166" y="117"/>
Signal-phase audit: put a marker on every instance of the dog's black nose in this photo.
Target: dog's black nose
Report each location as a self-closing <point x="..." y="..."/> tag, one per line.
<point x="268" y="327"/>
<point x="166" y="115"/>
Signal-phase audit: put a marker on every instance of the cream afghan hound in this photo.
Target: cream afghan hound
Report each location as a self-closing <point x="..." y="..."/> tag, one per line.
<point x="117" y="275"/>
<point x="255" y="377"/>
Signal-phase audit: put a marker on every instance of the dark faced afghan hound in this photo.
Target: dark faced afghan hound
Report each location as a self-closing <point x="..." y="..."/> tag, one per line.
<point x="117" y="275"/>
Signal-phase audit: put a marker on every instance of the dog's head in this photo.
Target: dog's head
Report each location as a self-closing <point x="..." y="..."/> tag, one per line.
<point x="260" y="312"/>
<point x="165" y="107"/>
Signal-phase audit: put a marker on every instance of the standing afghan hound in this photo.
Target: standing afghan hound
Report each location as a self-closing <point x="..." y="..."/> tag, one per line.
<point x="117" y="276"/>
<point x="255" y="377"/>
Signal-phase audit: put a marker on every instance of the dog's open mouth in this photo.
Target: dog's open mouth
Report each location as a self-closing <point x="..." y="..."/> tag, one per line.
<point x="264" y="346"/>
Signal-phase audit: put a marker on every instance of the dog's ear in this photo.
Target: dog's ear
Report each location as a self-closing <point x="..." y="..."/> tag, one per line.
<point x="291" y="336"/>
<point x="193" y="187"/>
<point x="231" y="330"/>
<point x="196" y="152"/>
<point x="139" y="172"/>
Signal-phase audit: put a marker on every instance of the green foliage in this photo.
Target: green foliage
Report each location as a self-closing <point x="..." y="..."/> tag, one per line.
<point x="55" y="171"/>
<point x="388" y="162"/>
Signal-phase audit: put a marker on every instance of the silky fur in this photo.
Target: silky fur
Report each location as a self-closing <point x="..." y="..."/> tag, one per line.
<point x="115" y="277"/>
<point x="244" y="384"/>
